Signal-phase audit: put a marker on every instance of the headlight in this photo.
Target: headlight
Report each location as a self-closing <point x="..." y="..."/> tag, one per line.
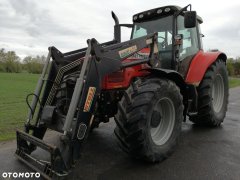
<point x="141" y="16"/>
<point x="167" y="9"/>
<point x="159" y="11"/>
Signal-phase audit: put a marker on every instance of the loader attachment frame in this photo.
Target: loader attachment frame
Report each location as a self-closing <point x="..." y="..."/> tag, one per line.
<point x="56" y="165"/>
<point x="96" y="61"/>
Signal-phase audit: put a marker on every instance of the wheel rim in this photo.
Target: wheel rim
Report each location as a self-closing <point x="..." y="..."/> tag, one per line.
<point x="218" y="93"/>
<point x="165" y="111"/>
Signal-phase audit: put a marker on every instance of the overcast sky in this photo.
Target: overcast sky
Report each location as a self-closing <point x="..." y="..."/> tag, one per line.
<point x="30" y="26"/>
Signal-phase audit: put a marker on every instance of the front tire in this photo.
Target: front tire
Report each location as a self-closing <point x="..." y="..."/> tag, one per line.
<point x="212" y="96"/>
<point x="149" y="119"/>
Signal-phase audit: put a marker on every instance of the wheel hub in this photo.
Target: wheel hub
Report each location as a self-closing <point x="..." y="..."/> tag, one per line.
<point x="156" y="119"/>
<point x="218" y="93"/>
<point x="163" y="120"/>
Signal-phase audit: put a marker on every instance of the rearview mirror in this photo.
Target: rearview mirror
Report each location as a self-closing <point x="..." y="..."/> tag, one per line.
<point x="190" y="19"/>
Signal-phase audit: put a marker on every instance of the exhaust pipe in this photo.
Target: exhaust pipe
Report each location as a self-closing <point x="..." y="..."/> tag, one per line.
<point x="117" y="30"/>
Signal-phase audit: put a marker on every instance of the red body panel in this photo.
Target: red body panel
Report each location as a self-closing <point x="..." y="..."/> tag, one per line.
<point x="122" y="79"/>
<point x="198" y="67"/>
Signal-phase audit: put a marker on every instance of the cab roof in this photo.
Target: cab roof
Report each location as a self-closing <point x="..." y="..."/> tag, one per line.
<point x="159" y="12"/>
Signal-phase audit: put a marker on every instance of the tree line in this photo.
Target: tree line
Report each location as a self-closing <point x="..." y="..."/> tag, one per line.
<point x="233" y="67"/>
<point x="11" y="63"/>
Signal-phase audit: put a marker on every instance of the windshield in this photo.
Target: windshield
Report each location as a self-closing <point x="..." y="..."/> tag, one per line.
<point x="162" y="26"/>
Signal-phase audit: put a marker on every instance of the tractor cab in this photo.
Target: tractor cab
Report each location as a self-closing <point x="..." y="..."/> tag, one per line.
<point x="178" y="34"/>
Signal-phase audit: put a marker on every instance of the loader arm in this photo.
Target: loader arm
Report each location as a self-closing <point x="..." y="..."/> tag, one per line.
<point x="99" y="61"/>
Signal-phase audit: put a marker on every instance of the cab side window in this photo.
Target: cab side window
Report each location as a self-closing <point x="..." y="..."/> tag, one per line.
<point x="190" y="41"/>
<point x="165" y="40"/>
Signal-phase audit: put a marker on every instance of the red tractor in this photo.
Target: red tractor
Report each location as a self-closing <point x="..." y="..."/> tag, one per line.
<point x="149" y="84"/>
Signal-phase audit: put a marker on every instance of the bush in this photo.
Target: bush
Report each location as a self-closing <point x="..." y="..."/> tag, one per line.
<point x="233" y="67"/>
<point x="9" y="62"/>
<point x="237" y="67"/>
<point x="230" y="67"/>
<point x="2" y="67"/>
<point x="34" y="64"/>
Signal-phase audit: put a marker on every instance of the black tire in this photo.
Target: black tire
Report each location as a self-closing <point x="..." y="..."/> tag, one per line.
<point x="137" y="114"/>
<point x="212" y="96"/>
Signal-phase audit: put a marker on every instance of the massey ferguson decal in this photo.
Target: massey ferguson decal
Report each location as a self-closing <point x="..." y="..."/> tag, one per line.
<point x="89" y="99"/>
<point x="125" y="52"/>
<point x="143" y="54"/>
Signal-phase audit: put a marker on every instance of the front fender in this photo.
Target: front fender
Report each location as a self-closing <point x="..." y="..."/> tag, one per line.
<point x="200" y="64"/>
<point x="169" y="74"/>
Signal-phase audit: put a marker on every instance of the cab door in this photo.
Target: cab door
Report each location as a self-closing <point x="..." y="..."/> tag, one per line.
<point x="190" y="45"/>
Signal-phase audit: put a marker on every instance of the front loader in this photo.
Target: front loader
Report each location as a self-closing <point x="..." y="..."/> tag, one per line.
<point x="149" y="84"/>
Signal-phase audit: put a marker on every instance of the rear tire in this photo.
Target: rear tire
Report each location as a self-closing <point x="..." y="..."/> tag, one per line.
<point x="212" y="96"/>
<point x="149" y="119"/>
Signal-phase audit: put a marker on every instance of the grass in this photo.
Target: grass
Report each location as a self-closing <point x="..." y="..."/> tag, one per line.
<point x="234" y="82"/>
<point x="13" y="108"/>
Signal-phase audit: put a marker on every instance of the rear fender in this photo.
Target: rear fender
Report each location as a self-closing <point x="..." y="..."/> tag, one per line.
<point x="200" y="64"/>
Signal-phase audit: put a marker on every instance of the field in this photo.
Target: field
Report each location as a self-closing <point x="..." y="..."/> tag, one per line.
<point x="13" y="108"/>
<point x="234" y="82"/>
